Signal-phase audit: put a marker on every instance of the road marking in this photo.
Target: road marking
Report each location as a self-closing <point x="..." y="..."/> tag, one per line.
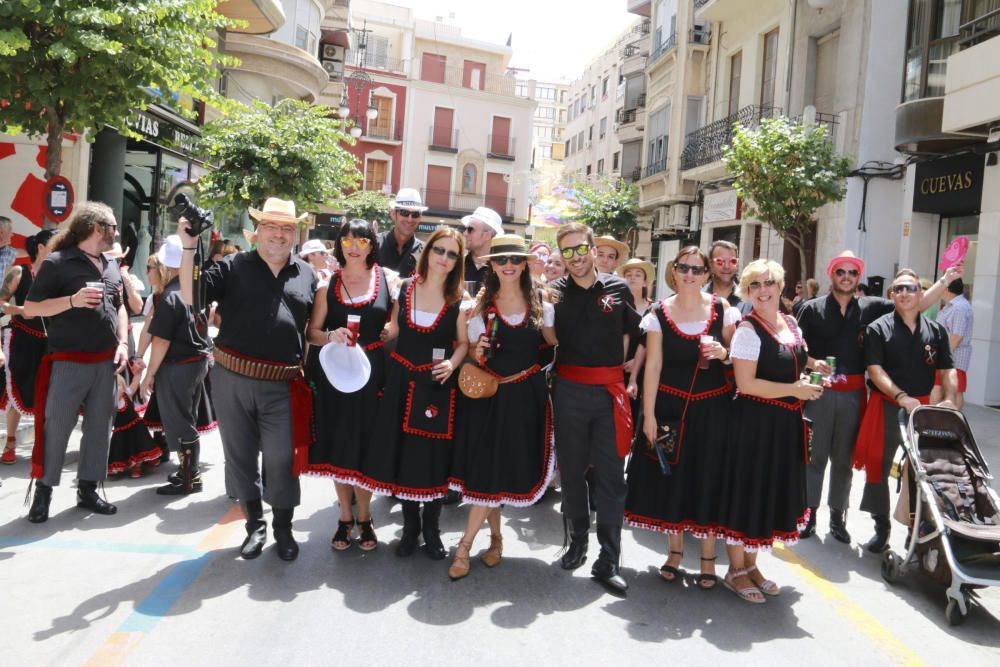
<point x="121" y="643"/>
<point x="114" y="547"/>
<point x="878" y="634"/>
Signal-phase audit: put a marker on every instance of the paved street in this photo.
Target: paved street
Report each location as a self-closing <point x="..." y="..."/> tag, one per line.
<point x="160" y="583"/>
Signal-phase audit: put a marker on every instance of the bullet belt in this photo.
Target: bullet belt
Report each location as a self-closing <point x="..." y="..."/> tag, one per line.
<point x="256" y="368"/>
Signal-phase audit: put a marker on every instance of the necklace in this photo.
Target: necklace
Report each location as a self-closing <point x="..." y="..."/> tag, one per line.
<point x="96" y="257"/>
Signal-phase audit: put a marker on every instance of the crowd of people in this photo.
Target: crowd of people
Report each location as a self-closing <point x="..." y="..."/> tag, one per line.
<point x="473" y="363"/>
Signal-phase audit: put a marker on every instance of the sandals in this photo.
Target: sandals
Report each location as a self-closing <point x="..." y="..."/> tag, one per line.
<point x="668" y="572"/>
<point x="766" y="586"/>
<point x="460" y="566"/>
<point x="367" y="541"/>
<point x="706" y="582"/>
<point x="9" y="456"/>
<point x="492" y="556"/>
<point x="749" y="593"/>
<point x="342" y="538"/>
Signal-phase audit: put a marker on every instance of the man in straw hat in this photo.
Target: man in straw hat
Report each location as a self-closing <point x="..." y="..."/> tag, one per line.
<point x="609" y="253"/>
<point x="595" y="317"/>
<point x="399" y="248"/>
<point x="834" y="326"/>
<point x="263" y="404"/>
<point x="79" y="292"/>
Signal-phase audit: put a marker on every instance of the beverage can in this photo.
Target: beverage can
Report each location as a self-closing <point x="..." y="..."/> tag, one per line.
<point x="816" y="378"/>
<point x="832" y="363"/>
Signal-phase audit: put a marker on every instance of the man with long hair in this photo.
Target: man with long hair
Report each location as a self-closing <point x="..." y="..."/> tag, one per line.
<point x="79" y="292"/>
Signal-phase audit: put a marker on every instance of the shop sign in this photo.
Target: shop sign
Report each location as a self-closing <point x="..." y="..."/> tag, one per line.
<point x="160" y="131"/>
<point x="721" y="206"/>
<point x="951" y="186"/>
<point x="58" y="198"/>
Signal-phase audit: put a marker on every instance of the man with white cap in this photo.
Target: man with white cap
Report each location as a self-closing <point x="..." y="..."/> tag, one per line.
<point x="315" y="252"/>
<point x="399" y="248"/>
<point x="834" y="326"/>
<point x="263" y="403"/>
<point x="480" y="228"/>
<point x="178" y="361"/>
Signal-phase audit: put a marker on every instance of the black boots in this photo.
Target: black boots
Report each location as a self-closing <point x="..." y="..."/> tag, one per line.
<point x="256" y="530"/>
<point x="39" y="512"/>
<point x="810" y="527"/>
<point x="576" y="554"/>
<point x="187" y="479"/>
<point x="880" y="540"/>
<point x="838" y="526"/>
<point x="411" y="528"/>
<point x="605" y="570"/>
<point x="281" y="523"/>
<point x="431" y="531"/>
<point x="87" y="498"/>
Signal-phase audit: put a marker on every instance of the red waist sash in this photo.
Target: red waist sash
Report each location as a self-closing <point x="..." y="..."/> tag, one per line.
<point x="42" y="393"/>
<point x="613" y="379"/>
<point x="849" y="382"/>
<point x="870" y="444"/>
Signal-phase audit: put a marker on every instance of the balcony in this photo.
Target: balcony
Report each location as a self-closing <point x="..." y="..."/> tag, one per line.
<point x="383" y="130"/>
<point x="447" y="203"/>
<point x="443" y="138"/>
<point x="640" y="7"/>
<point x="641" y="101"/>
<point x="354" y="58"/>
<point x="663" y="48"/>
<point x="501" y="147"/>
<point x="980" y="29"/>
<point x="654" y="168"/>
<point x="287" y="71"/>
<point x="828" y="120"/>
<point x="707" y="144"/>
<point x="972" y="81"/>
<point x="261" y="16"/>
<point x="458" y="77"/>
<point x="737" y="10"/>
<point x="625" y="116"/>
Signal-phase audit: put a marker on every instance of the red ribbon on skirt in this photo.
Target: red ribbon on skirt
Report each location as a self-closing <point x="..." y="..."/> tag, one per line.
<point x="613" y="379"/>
<point x="870" y="444"/>
<point x="303" y="434"/>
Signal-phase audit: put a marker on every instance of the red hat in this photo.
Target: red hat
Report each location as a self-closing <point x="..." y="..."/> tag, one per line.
<point x="846" y="257"/>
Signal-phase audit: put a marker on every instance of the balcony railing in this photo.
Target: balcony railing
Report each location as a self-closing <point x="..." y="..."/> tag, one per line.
<point x="698" y="4"/>
<point x="456" y="76"/>
<point x="443" y="138"/>
<point x="631" y="50"/>
<point x="641" y="101"/>
<point x="664" y="46"/>
<point x="385" y="130"/>
<point x="625" y="116"/>
<point x="708" y="143"/>
<point x="354" y="58"/>
<point x="980" y="29"/>
<point x="501" y="146"/>
<point x="701" y="36"/>
<point x="444" y="201"/>
<point x="654" y="168"/>
<point x="828" y="120"/>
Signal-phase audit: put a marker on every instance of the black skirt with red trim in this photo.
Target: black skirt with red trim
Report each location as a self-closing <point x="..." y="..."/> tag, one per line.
<point x="205" y="422"/>
<point x="24" y="348"/>
<point x="131" y="442"/>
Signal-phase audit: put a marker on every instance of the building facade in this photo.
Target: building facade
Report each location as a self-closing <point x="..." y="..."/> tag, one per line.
<point x="548" y="130"/>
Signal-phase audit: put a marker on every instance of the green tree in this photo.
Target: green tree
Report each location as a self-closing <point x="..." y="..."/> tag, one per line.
<point x="784" y="171"/>
<point x="610" y="208"/>
<point x="81" y="64"/>
<point x="369" y="205"/>
<point x="293" y="150"/>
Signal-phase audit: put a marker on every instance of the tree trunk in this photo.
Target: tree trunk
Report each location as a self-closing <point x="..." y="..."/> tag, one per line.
<point x="53" y="158"/>
<point x="797" y="237"/>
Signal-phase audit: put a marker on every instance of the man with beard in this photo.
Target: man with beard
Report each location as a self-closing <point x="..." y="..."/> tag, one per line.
<point x="724" y="262"/>
<point x="79" y="293"/>
<point x="834" y="326"/>
<point x="263" y="404"/>
<point x="595" y="317"/>
<point x="399" y="248"/>
<point x="480" y="228"/>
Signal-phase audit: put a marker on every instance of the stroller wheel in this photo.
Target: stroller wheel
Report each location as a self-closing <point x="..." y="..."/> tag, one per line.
<point x="890" y="566"/>
<point x="953" y="612"/>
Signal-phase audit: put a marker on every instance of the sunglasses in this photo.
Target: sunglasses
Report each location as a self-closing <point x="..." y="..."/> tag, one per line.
<point x="408" y="214"/>
<point x="516" y="260"/>
<point x="441" y="252"/>
<point x="349" y="242"/>
<point x="690" y="268"/>
<point x="581" y="250"/>
<point x="732" y="261"/>
<point x="846" y="272"/>
<point x="109" y="225"/>
<point x="906" y="288"/>
<point x="756" y="284"/>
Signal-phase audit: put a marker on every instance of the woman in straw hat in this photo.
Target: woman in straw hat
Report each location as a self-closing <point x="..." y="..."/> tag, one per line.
<point x="409" y="453"/>
<point x="504" y="447"/>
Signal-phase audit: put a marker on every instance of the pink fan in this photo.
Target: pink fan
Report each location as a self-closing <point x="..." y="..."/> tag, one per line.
<point x="954" y="254"/>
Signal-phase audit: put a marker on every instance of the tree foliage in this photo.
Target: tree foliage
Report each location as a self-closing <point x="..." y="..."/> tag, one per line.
<point x="611" y="208"/>
<point x="369" y="205"/>
<point x="81" y="64"/>
<point x="293" y="150"/>
<point x="785" y="171"/>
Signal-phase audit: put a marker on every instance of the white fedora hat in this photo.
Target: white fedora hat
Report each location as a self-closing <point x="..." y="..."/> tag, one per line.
<point x="346" y="366"/>
<point x="170" y="252"/>
<point x="311" y="246"/>
<point x="488" y="217"/>
<point x="409" y="198"/>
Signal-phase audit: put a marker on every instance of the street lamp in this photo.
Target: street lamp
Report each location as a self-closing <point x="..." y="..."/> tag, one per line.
<point x="359" y="82"/>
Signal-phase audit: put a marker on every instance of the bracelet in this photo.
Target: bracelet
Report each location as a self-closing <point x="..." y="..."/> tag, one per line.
<point x="71" y="301"/>
<point x="328" y="334"/>
<point x="186" y="248"/>
<point x="898" y="394"/>
<point x="123" y="342"/>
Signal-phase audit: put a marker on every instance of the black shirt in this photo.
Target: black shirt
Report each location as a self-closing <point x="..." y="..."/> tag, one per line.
<point x="909" y="357"/>
<point x="832" y="334"/>
<point x="736" y="302"/>
<point x="474" y="274"/>
<point x="263" y="316"/>
<point x="590" y="323"/>
<point x="173" y="320"/>
<point x="389" y="257"/>
<point x="64" y="273"/>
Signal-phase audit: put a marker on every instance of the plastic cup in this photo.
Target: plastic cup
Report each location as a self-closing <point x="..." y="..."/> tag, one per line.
<point x="703" y="343"/>
<point x="354" y="326"/>
<point x="97" y="285"/>
<point x="437" y="355"/>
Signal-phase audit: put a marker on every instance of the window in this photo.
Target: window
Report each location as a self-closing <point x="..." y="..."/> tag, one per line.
<point x="562" y="97"/>
<point x="558" y="152"/>
<point x="593" y="95"/>
<point x="600" y="167"/>
<point x="432" y="68"/>
<point x="604" y="88"/>
<point x="305" y="40"/>
<point x="933" y="35"/>
<point x="692" y="114"/>
<point x="614" y="161"/>
<point x="557" y="133"/>
<point x="545" y="93"/>
<point x="657" y="130"/>
<point x="543" y="132"/>
<point x="579" y="140"/>
<point x="735" y="67"/>
<point x="604" y="127"/>
<point x="588" y="170"/>
<point x="545" y="112"/>
<point x="521" y="89"/>
<point x="377" y="53"/>
<point x="473" y="75"/>
<point x="569" y="145"/>
<point x="469" y="179"/>
<point x="562" y="115"/>
<point x="590" y="133"/>
<point x="375" y="174"/>
<point x="547" y="152"/>
<point x="769" y="69"/>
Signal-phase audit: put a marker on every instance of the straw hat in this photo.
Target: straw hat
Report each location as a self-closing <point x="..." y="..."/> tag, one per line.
<point x="277" y="210"/>
<point x="612" y="242"/>
<point x="507" y="245"/>
<point x="346" y="366"/>
<point x="846" y="257"/>
<point x="636" y="263"/>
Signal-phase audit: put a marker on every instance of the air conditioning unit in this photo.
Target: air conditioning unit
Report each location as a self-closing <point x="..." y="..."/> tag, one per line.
<point x="334" y="68"/>
<point x="333" y="52"/>
<point x="661" y="219"/>
<point x="701" y="33"/>
<point x="678" y="217"/>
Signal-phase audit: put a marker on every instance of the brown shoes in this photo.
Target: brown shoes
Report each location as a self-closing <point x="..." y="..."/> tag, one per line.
<point x="460" y="566"/>
<point x="492" y="556"/>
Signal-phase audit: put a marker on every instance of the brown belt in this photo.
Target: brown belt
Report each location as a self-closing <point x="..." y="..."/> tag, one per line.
<point x="256" y="368"/>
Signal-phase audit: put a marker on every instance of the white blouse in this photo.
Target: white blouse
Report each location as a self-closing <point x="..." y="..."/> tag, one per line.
<point x="477" y="327"/>
<point x="746" y="342"/>
<point x="651" y="323"/>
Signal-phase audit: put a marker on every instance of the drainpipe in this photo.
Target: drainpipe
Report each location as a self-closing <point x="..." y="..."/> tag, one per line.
<point x="791" y="59"/>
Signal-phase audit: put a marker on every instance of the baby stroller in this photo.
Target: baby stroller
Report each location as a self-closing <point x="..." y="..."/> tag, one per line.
<point x="953" y="514"/>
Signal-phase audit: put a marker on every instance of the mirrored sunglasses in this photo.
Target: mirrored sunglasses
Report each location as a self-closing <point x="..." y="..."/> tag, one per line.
<point x="361" y="242"/>
<point x="905" y="288"/>
<point x="581" y="250"/>
<point x="732" y="261"/>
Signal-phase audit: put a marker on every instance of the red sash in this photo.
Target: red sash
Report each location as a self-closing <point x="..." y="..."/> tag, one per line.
<point x="613" y="379"/>
<point x="871" y="436"/>
<point x="303" y="435"/>
<point x="42" y="393"/>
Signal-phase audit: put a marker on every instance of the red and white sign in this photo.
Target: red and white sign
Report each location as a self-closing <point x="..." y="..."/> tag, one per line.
<point x="58" y="198"/>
